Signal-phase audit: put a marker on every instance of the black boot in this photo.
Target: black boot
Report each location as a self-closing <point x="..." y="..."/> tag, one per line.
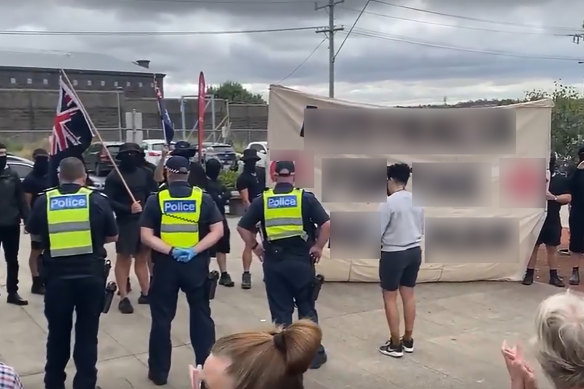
<point x="528" y="279"/>
<point x="14" y="298"/>
<point x="37" y="286"/>
<point x="575" y="277"/>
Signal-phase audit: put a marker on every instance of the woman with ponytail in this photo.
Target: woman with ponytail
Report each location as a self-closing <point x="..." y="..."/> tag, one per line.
<point x="262" y="359"/>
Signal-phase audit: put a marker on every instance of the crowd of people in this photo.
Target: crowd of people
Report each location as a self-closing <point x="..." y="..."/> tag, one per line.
<point x="169" y="221"/>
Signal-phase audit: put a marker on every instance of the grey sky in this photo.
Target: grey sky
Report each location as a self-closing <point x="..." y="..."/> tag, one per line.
<point x="382" y="69"/>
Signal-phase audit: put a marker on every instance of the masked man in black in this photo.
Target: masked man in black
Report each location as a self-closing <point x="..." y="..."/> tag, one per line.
<point x="141" y="184"/>
<point x="36" y="182"/>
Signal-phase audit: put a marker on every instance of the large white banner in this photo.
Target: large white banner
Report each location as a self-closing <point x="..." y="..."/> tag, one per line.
<point x="478" y="173"/>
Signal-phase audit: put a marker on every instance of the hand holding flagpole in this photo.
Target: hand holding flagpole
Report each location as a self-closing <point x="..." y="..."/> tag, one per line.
<point x="94" y="129"/>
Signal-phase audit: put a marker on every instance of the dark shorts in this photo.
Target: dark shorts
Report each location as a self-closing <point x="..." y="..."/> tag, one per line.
<point x="35" y="242"/>
<point x="551" y="233"/>
<point x="399" y="268"/>
<point x="129" y="237"/>
<point x="223" y="246"/>
<point x="577" y="234"/>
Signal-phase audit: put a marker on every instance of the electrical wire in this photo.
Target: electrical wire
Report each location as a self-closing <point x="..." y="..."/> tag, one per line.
<point x="233" y="2"/>
<point x="351" y="30"/>
<point x="149" y="33"/>
<point x="397" y="38"/>
<point x="303" y="62"/>
<point x="453" y="25"/>
<point x="473" y="18"/>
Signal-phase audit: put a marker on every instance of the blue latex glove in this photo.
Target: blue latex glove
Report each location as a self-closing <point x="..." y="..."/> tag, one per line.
<point x="180" y="255"/>
<point x="190" y="254"/>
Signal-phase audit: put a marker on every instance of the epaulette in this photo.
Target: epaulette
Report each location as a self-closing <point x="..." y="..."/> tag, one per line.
<point x="48" y="190"/>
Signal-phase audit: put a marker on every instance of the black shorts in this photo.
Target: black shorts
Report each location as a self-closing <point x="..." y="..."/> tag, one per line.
<point x="551" y="233"/>
<point x="223" y="246"/>
<point x="577" y="234"/>
<point x="35" y="242"/>
<point x="129" y="237"/>
<point x="399" y="268"/>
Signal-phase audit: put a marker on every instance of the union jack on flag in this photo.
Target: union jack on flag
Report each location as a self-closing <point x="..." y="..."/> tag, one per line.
<point x="167" y="126"/>
<point x="71" y="131"/>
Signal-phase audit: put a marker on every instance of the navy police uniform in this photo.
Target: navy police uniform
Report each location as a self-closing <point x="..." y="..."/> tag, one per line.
<point x="73" y="223"/>
<point x="170" y="275"/>
<point x="289" y="271"/>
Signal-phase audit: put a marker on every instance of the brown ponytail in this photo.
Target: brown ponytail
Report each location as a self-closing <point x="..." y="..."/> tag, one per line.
<point x="270" y="359"/>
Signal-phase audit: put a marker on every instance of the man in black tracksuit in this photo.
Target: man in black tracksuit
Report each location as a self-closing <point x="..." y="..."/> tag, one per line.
<point x="13" y="210"/>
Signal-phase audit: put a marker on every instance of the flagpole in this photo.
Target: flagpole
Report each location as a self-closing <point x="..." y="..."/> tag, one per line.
<point x="98" y="136"/>
<point x="156" y="92"/>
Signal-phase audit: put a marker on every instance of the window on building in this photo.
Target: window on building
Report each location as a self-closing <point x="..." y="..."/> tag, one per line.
<point x="128" y="84"/>
<point x="102" y="83"/>
<point x="140" y="84"/>
<point x="45" y="81"/>
<point x="29" y="81"/>
<point x="12" y="80"/>
<point x="75" y="82"/>
<point x="116" y="84"/>
<point x="89" y="83"/>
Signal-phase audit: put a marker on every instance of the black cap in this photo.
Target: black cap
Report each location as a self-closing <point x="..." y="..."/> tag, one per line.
<point x="285" y="168"/>
<point x="250" y="155"/>
<point x="129" y="147"/>
<point x="182" y="145"/>
<point x="177" y="164"/>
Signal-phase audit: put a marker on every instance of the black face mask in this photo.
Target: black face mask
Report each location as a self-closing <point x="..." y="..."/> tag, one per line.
<point x="3" y="162"/>
<point x="249" y="166"/>
<point x="41" y="165"/>
<point x="129" y="161"/>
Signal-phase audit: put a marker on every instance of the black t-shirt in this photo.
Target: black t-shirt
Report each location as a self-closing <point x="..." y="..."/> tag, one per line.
<point x="141" y="183"/>
<point x="152" y="216"/>
<point x="103" y="224"/>
<point x="251" y="182"/>
<point x="577" y="191"/>
<point x="559" y="185"/>
<point x="219" y="193"/>
<point x="35" y="184"/>
<point x="313" y="216"/>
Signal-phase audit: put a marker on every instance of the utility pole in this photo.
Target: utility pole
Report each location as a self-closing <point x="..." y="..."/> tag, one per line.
<point x="330" y="33"/>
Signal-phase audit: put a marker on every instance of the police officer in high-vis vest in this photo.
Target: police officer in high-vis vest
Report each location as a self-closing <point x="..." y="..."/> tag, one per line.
<point x="289" y="218"/>
<point x="180" y="224"/>
<point x="73" y="223"/>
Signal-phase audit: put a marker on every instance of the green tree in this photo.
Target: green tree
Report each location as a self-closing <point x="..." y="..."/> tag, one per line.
<point x="567" y="117"/>
<point x="235" y="93"/>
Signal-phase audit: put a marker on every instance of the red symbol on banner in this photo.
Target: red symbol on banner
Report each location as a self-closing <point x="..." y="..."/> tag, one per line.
<point x="523" y="180"/>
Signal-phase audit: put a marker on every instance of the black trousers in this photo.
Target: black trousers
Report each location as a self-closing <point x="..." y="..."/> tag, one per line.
<point x="63" y="296"/>
<point x="10" y="241"/>
<point x="168" y="277"/>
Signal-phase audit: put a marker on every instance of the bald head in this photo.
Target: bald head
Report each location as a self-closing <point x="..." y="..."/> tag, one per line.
<point x="72" y="170"/>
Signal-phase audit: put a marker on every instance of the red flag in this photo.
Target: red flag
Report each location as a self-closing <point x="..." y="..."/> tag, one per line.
<point x="202" y="93"/>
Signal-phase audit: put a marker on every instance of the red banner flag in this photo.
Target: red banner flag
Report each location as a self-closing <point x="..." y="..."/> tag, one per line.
<point x="201" y="129"/>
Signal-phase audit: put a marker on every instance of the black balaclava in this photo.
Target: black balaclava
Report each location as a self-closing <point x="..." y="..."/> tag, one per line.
<point x="213" y="168"/>
<point x="249" y="166"/>
<point x="129" y="161"/>
<point x="41" y="165"/>
<point x="3" y="160"/>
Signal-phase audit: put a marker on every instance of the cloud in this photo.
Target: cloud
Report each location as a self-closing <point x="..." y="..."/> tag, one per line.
<point x="395" y="55"/>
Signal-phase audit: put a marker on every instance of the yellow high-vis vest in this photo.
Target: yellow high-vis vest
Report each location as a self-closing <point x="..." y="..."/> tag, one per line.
<point x="283" y="215"/>
<point x="68" y="220"/>
<point x="179" y="226"/>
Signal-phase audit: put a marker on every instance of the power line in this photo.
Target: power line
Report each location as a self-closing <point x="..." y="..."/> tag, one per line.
<point x="149" y="33"/>
<point x="237" y="2"/>
<point x="473" y="18"/>
<point x="303" y="62"/>
<point x="452" y="25"/>
<point x="352" y="27"/>
<point x="397" y="38"/>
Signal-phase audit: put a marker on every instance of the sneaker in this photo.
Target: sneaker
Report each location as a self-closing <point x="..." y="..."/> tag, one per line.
<point x="392" y="350"/>
<point x="143" y="299"/>
<point x="246" y="281"/>
<point x="574" y="278"/>
<point x="408" y="345"/>
<point x="557" y="281"/>
<point x="528" y="279"/>
<point x="564" y="252"/>
<point x="226" y="280"/>
<point x="125" y="306"/>
<point x="15" y="299"/>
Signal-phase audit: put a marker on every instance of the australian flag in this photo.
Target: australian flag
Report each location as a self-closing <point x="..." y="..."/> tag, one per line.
<point x="71" y="134"/>
<point x="167" y="127"/>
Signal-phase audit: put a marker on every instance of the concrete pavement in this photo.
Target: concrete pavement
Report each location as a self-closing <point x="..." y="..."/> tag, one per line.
<point x="458" y="333"/>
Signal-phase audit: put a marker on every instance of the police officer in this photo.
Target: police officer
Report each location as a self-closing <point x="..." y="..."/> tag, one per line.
<point x="180" y="224"/>
<point x="289" y="217"/>
<point x="73" y="223"/>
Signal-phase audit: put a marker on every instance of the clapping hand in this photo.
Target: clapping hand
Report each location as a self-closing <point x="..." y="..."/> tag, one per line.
<point x="521" y="374"/>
